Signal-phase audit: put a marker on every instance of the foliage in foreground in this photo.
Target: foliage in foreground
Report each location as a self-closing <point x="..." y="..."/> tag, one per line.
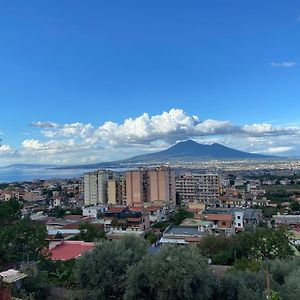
<point x="174" y="273"/>
<point x="102" y="273"/>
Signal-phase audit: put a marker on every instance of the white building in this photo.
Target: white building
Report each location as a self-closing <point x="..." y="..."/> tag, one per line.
<point x="92" y="211"/>
<point x="239" y="220"/>
<point x="95" y="187"/>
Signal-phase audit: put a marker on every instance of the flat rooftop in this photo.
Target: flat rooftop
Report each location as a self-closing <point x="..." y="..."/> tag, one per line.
<point x="183" y="230"/>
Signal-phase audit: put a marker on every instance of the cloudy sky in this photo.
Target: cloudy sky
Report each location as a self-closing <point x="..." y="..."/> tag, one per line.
<point x="93" y="82"/>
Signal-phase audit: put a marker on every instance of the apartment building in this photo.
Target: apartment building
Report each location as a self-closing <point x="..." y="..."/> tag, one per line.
<point x="116" y="190"/>
<point x="156" y="186"/>
<point x="198" y="187"/>
<point x="95" y="187"/>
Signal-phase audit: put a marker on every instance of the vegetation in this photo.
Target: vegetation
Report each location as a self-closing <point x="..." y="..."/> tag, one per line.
<point x="256" y="245"/>
<point x="101" y="274"/>
<point x="91" y="232"/>
<point x="20" y="239"/>
<point x="10" y="211"/>
<point x="174" y="273"/>
<point x="175" y="219"/>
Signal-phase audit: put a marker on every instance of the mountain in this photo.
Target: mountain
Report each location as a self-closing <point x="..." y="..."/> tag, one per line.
<point x="192" y="150"/>
<point x="183" y="151"/>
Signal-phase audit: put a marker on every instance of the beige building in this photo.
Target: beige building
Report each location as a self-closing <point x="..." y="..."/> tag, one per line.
<point x="155" y="186"/>
<point x="116" y="191"/>
<point x="198" y="187"/>
<point x="135" y="187"/>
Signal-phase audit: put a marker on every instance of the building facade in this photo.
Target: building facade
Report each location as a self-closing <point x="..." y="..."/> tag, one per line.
<point x="198" y="187"/>
<point x="156" y="186"/>
<point x="95" y="187"/>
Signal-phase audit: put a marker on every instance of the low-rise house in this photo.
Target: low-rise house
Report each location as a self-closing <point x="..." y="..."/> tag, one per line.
<point x="290" y="220"/>
<point x="222" y="222"/>
<point x="94" y="211"/>
<point x="121" y="220"/>
<point x="10" y="279"/>
<point x="156" y="213"/>
<point x="181" y="235"/>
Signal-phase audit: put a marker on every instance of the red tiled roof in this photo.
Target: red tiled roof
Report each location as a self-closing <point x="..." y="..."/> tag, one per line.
<point x="219" y="217"/>
<point x="70" y="249"/>
<point x="116" y="209"/>
<point x="136" y="209"/>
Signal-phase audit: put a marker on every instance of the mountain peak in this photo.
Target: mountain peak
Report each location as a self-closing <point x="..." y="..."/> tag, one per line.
<point x="190" y="149"/>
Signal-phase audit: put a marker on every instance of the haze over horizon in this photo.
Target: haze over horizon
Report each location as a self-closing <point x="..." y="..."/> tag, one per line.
<point x="89" y="83"/>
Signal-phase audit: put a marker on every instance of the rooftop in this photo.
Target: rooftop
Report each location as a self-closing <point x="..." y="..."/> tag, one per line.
<point x="11" y="276"/>
<point x="70" y="250"/>
<point x="116" y="209"/>
<point x="219" y="217"/>
<point x="183" y="230"/>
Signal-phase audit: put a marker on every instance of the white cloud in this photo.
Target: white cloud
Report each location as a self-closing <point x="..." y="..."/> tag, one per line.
<point x="82" y="143"/>
<point x="265" y="129"/>
<point x="277" y="150"/>
<point x="6" y="149"/>
<point x="284" y="64"/>
<point x="44" y="124"/>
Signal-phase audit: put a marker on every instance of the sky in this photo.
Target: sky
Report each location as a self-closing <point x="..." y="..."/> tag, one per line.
<point x="91" y="81"/>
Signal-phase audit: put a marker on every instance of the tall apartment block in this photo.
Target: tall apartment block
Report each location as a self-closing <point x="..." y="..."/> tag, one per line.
<point x="198" y="187"/>
<point x="116" y="190"/>
<point x="136" y="184"/>
<point x="95" y="187"/>
<point x="150" y="186"/>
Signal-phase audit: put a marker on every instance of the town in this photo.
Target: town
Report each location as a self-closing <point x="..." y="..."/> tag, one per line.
<point x="159" y="205"/>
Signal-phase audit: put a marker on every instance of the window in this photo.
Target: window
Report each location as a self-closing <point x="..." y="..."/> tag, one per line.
<point x="238" y="217"/>
<point x="239" y="224"/>
<point x="223" y="223"/>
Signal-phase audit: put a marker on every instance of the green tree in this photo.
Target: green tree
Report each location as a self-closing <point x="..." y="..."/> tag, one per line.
<point x="291" y="287"/>
<point x="91" y="232"/>
<point x="180" y="215"/>
<point x="243" y="285"/>
<point x="102" y="273"/>
<point x="295" y="206"/>
<point x="10" y="211"/>
<point x="22" y="241"/>
<point x="221" y="249"/>
<point x="173" y="273"/>
<point x="268" y="243"/>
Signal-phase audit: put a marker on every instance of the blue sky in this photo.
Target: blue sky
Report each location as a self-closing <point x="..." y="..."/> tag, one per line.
<point x="84" y="64"/>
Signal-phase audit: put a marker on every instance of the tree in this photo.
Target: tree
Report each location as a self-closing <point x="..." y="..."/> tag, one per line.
<point x="180" y="215"/>
<point x="243" y="285"/>
<point x="173" y="273"/>
<point x="291" y="287"/>
<point x="221" y="249"/>
<point x="268" y="243"/>
<point x="102" y="272"/>
<point x="254" y="245"/>
<point x="22" y="241"/>
<point x="91" y="232"/>
<point x="295" y="206"/>
<point x="10" y="211"/>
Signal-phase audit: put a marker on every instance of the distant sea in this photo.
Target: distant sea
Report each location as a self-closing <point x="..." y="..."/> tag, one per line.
<point x="23" y="174"/>
<point x="14" y="175"/>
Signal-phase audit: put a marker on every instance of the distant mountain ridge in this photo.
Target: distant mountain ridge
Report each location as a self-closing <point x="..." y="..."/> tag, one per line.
<point x="183" y="151"/>
<point x="193" y="150"/>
